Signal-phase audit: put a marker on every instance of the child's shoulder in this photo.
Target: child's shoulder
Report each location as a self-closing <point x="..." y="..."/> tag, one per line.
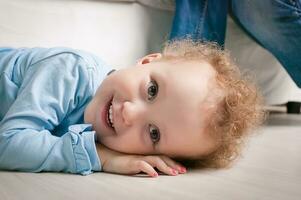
<point x="70" y="58"/>
<point x="62" y="61"/>
<point x="40" y="54"/>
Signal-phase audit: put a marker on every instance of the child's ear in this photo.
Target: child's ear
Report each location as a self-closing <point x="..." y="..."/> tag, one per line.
<point x="149" y="58"/>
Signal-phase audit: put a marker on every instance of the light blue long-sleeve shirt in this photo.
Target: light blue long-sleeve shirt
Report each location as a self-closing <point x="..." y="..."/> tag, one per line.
<point x="43" y="95"/>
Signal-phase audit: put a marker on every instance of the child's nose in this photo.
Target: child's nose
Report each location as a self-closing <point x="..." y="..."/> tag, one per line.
<point x="131" y="113"/>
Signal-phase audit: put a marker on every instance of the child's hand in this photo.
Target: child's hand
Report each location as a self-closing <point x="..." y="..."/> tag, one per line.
<point x="120" y="163"/>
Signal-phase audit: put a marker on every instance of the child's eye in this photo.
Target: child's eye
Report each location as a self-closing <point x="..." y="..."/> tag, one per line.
<point x="152" y="90"/>
<point x="154" y="134"/>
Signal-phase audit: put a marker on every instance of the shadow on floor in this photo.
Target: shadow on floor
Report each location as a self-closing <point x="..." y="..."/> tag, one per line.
<point x="283" y="119"/>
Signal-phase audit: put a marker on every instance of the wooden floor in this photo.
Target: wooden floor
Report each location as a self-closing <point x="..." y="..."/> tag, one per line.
<point x="270" y="169"/>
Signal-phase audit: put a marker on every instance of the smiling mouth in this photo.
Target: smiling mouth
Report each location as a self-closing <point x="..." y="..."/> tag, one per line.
<point x="110" y="119"/>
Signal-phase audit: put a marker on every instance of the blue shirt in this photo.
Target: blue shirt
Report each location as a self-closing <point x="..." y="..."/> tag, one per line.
<point x="43" y="95"/>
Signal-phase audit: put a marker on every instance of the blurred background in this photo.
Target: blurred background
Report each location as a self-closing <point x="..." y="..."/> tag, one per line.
<point x="122" y="31"/>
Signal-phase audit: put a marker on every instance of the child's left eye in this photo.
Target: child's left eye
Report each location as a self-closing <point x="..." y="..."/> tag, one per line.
<point x="152" y="90"/>
<point x="154" y="134"/>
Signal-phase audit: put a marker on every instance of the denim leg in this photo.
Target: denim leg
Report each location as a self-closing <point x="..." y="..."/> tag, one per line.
<point x="200" y="20"/>
<point x="276" y="25"/>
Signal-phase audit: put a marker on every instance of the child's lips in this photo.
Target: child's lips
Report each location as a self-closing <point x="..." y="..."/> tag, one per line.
<point x="105" y="113"/>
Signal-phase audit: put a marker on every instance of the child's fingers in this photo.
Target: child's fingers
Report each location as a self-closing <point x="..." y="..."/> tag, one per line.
<point x="146" y="168"/>
<point x="157" y="162"/>
<point x="173" y="164"/>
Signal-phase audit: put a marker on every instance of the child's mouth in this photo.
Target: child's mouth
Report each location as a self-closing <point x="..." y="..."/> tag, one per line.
<point x="110" y="115"/>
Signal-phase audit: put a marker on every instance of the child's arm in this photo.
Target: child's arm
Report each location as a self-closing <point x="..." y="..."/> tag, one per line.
<point x="120" y="163"/>
<point x="52" y="89"/>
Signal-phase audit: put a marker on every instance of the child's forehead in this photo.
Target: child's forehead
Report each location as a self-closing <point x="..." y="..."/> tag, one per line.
<point x="189" y="99"/>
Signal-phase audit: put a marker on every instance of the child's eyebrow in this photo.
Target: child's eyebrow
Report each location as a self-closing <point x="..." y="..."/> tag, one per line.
<point x="161" y="84"/>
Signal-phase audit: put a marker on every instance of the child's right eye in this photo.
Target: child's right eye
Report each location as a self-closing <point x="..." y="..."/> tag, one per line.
<point x="152" y="90"/>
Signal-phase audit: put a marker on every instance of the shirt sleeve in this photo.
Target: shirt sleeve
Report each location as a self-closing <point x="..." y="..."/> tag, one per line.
<point x="49" y="92"/>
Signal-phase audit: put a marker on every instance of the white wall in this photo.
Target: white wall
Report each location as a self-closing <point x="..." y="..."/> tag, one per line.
<point x="122" y="32"/>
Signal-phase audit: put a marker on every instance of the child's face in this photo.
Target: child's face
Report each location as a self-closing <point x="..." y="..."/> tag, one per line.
<point x="157" y="108"/>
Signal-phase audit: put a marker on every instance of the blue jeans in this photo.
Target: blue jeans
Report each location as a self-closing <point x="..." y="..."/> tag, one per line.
<point x="200" y="20"/>
<point x="274" y="24"/>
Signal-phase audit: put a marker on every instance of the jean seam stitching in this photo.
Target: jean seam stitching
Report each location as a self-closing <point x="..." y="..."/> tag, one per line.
<point x="202" y="17"/>
<point x="298" y="6"/>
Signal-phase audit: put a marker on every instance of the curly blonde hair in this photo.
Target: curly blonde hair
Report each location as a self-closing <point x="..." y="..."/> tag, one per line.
<point x="238" y="111"/>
